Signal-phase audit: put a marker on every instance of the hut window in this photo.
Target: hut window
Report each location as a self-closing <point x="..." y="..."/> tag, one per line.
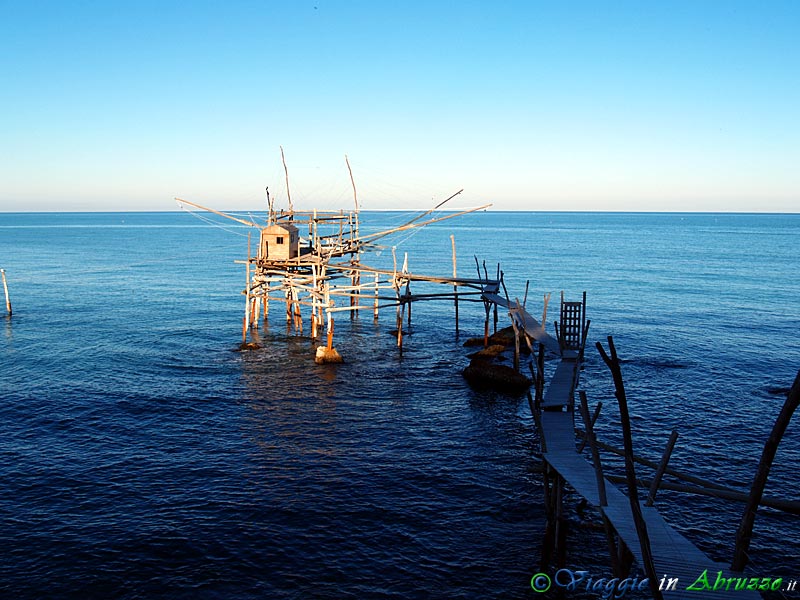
<point x="279" y="239"/>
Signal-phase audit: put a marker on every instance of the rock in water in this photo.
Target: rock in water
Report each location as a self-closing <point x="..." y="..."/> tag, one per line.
<point x="490" y="352"/>
<point x="248" y="346"/>
<point x="481" y="373"/>
<point x="326" y="356"/>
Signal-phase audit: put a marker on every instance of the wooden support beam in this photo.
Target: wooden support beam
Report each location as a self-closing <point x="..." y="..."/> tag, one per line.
<point x="745" y="531"/>
<point x="651" y="496"/>
<point x="595" y="416"/>
<point x="598" y="467"/>
<point x="5" y="289"/>
<point x="455" y="276"/>
<point x="377" y="284"/>
<point x="246" y="324"/>
<point x="648" y="565"/>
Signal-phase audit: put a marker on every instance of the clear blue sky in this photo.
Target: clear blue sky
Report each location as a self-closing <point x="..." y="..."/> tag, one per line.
<point x="529" y="105"/>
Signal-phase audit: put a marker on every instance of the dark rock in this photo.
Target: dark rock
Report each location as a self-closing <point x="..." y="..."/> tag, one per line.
<point x="490" y="352"/>
<point x="482" y="373"/>
<point x="247" y="346"/>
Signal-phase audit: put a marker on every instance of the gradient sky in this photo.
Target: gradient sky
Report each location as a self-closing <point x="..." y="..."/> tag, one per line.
<point x="530" y="105"/>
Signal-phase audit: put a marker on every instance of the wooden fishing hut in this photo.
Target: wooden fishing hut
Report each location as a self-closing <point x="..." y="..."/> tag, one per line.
<point x="323" y="273"/>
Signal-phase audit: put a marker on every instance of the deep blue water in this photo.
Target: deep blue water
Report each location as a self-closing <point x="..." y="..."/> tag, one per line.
<point x="141" y="458"/>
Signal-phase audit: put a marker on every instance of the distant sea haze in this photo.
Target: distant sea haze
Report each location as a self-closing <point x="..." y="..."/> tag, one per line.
<point x="142" y="458"/>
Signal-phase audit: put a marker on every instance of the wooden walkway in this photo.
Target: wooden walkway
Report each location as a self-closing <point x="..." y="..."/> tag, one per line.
<point x="673" y="555"/>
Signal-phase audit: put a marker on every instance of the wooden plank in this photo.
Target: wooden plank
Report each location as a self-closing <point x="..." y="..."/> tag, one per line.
<point x="559" y="392"/>
<point x="532" y="327"/>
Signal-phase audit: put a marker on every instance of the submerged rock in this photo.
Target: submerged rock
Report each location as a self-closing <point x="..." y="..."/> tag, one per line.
<point x="326" y="356"/>
<point x="481" y="373"/>
<point x="248" y="346"/>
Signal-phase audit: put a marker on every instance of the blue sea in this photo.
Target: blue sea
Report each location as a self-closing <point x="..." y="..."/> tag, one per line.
<point x="142" y="457"/>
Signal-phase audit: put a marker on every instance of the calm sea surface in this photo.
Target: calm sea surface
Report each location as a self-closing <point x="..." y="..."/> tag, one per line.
<point x="140" y="457"/>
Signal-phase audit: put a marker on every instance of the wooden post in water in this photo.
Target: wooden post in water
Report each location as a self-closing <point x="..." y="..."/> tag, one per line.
<point x="5" y="289"/>
<point x="408" y="301"/>
<point x="630" y="470"/>
<point x="377" y="283"/>
<point x="745" y="531"/>
<point x="246" y="325"/>
<point x="588" y="425"/>
<point x="330" y="317"/>
<point x="455" y="275"/>
<point x="662" y="466"/>
<point x="516" y="341"/>
<point x="298" y="316"/>
<point x="254" y="312"/>
<point x="544" y="310"/>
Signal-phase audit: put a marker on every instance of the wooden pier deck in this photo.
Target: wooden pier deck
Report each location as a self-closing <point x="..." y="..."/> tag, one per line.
<point x="674" y="556"/>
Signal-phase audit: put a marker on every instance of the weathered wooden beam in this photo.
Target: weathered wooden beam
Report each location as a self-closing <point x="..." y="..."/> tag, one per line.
<point x="598" y="466"/>
<point x="651" y="496"/>
<point x="648" y="565"/>
<point x="745" y="531"/>
<point x="5" y="289"/>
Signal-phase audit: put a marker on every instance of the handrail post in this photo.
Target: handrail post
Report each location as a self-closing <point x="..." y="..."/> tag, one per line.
<point x="662" y="466"/>
<point x="598" y="467"/>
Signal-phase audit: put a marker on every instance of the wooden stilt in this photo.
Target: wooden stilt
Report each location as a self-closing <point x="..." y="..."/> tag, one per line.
<point x="375" y="309"/>
<point x="352" y="295"/>
<point x="516" y="344"/>
<point x="246" y="305"/>
<point x="455" y="276"/>
<point x="5" y="289"/>
<point x="330" y="317"/>
<point x="544" y="309"/>
<point x="408" y="301"/>
<point x="298" y="316"/>
<point x="561" y="525"/>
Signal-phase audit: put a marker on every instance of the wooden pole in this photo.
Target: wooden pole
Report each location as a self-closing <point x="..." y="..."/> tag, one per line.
<point x="455" y="276"/>
<point x="330" y="316"/>
<point x="246" y="304"/>
<point x="651" y="496"/>
<point x="298" y="317"/>
<point x="375" y="309"/>
<point x="516" y="342"/>
<point x="745" y="532"/>
<point x="788" y="506"/>
<point x="630" y="470"/>
<point x="288" y="193"/>
<point x="598" y="466"/>
<point x="5" y="289"/>
<point x="595" y="416"/>
<point x="408" y="301"/>
<point x="544" y="310"/>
